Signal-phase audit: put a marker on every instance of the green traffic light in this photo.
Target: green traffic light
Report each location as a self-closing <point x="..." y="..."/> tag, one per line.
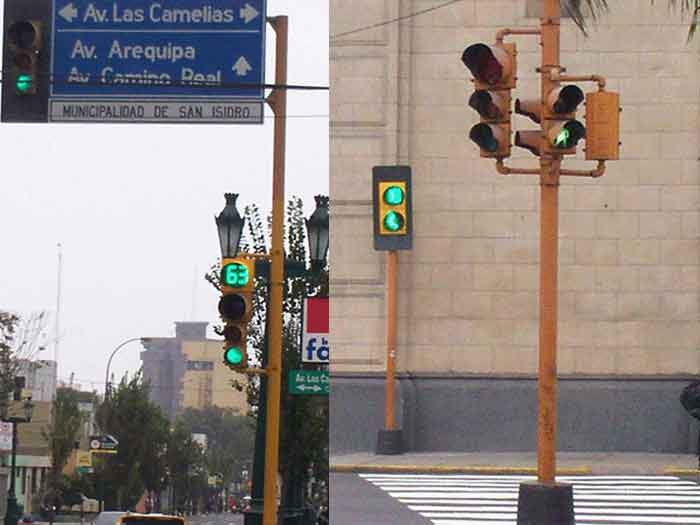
<point x="393" y="195"/>
<point x="233" y="356"/>
<point x="235" y="275"/>
<point x="562" y="139"/>
<point x="23" y="83"/>
<point x="393" y="221"/>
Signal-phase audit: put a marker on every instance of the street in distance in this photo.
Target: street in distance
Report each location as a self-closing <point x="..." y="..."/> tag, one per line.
<point x="208" y="55"/>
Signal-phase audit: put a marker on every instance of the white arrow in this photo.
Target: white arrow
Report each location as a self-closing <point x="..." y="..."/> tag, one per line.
<point x="248" y="13"/>
<point x="241" y="67"/>
<point x="69" y="12"/>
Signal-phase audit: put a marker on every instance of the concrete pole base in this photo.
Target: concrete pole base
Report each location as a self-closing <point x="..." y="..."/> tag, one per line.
<point x="546" y="504"/>
<point x="390" y="442"/>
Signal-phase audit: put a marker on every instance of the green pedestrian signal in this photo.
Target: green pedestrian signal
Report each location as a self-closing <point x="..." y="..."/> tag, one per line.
<point x="391" y="203"/>
<point x="393" y="221"/>
<point x="393" y="195"/>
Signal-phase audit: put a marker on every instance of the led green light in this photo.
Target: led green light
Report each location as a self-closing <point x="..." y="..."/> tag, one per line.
<point x="562" y="138"/>
<point x="235" y="275"/>
<point x="233" y="356"/>
<point x="393" y="195"/>
<point x="23" y="83"/>
<point x="393" y="221"/>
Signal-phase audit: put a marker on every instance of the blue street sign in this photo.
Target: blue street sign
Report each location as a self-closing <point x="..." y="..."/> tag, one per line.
<point x="151" y="60"/>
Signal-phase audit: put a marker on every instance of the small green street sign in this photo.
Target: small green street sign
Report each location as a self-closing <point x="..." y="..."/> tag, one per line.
<point x="309" y="382"/>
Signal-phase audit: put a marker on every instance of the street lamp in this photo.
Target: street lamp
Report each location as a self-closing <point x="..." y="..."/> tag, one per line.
<point x="229" y="223"/>
<point x="109" y="362"/>
<point x="317" y="228"/>
<point x="12" y="513"/>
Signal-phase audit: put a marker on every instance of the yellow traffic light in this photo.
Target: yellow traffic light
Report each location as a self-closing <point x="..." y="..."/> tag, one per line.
<point x="493" y="69"/>
<point x="236" y="308"/>
<point x="562" y="131"/>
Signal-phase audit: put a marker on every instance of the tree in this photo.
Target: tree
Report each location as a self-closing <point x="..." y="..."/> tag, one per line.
<point x="303" y="419"/>
<point x="229" y="438"/>
<point x="577" y="9"/>
<point x="142" y="431"/>
<point x="186" y="464"/>
<point x="62" y="431"/>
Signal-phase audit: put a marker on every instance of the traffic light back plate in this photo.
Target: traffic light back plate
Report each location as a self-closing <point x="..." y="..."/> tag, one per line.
<point x="602" y="126"/>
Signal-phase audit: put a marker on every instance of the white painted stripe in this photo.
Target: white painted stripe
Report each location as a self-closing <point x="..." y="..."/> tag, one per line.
<point x="502" y="495"/>
<point x="653" y="511"/>
<point x="473" y="522"/>
<point x="580" y="483"/>
<point x="691" y="490"/>
<point x="523" y="477"/>
<point x="618" y="519"/>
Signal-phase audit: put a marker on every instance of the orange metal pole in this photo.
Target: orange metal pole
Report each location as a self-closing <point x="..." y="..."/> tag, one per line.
<point x="278" y="103"/>
<point x="549" y="234"/>
<point x="391" y="260"/>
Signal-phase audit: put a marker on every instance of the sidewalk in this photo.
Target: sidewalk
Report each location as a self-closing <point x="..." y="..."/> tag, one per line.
<point x="568" y="463"/>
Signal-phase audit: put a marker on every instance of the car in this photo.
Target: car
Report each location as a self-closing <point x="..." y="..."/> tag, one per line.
<point x="109" y="517"/>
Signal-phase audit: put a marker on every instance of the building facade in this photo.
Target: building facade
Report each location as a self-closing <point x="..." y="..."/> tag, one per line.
<point x="629" y="250"/>
<point x="188" y="371"/>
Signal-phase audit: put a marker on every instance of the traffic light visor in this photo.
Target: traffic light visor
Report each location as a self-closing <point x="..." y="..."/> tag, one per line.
<point x="568" y="135"/>
<point x="483" y="136"/>
<point x="233" y="356"/>
<point x="232" y="307"/>
<point x="393" y="195"/>
<point x="483" y="64"/>
<point x="568" y="99"/>
<point x="23" y="34"/>
<point x="233" y="334"/>
<point x="484" y="104"/>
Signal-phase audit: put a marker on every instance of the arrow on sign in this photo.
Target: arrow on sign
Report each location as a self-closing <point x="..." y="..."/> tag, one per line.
<point x="241" y="67"/>
<point x="314" y="388"/>
<point x="248" y="13"/>
<point x="69" y="12"/>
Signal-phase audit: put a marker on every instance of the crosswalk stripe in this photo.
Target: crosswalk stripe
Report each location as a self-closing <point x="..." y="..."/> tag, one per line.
<point x="492" y="500"/>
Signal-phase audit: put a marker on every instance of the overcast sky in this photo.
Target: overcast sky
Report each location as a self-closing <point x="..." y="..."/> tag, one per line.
<point x="133" y="207"/>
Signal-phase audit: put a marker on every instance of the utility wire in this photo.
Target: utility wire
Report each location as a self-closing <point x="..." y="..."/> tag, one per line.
<point x="398" y="19"/>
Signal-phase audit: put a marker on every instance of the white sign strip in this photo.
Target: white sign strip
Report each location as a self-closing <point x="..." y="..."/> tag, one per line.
<point x="158" y="111"/>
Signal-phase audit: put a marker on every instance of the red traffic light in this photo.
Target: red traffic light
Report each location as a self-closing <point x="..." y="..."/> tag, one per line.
<point x="490" y="65"/>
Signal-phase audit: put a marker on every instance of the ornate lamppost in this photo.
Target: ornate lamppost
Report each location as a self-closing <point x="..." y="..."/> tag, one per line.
<point x="12" y="514"/>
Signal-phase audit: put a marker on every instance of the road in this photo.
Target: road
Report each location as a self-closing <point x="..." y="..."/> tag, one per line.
<point x="471" y="500"/>
<point x="354" y="500"/>
<point x="226" y="518"/>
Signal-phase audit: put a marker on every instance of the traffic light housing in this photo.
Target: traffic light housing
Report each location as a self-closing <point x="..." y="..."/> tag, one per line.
<point x="392" y="207"/>
<point x="562" y="131"/>
<point x="493" y="69"/>
<point x="237" y="283"/>
<point x="26" y="60"/>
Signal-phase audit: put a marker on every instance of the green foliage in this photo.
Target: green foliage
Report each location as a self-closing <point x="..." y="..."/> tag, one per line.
<point x="142" y="432"/>
<point x="578" y="9"/>
<point x="186" y="465"/>
<point x="8" y="328"/>
<point x="62" y="431"/>
<point x="230" y="438"/>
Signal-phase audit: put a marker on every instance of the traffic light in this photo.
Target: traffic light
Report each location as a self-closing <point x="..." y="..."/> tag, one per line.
<point x="391" y="195"/>
<point x="24" y="39"/>
<point x="602" y="126"/>
<point x="493" y="69"/>
<point x="26" y="60"/>
<point x="561" y="129"/>
<point x="236" y="308"/>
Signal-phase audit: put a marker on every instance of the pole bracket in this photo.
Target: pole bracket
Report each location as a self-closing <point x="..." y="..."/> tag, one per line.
<point x="556" y="76"/>
<point x="500" y="35"/>
<point x="505" y="170"/>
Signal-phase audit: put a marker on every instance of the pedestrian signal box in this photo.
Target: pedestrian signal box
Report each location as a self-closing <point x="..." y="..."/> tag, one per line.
<point x="392" y="207"/>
